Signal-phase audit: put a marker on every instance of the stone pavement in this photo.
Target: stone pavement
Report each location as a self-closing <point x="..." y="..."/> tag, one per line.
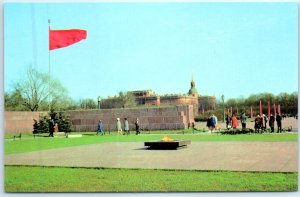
<point x="233" y="156"/>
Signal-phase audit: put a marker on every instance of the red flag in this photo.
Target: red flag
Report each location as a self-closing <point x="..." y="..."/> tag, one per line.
<point x="63" y="38"/>
<point x="260" y="108"/>
<point x="269" y="109"/>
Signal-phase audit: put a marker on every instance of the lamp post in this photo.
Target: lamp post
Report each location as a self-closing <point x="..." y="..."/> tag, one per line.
<point x="99" y="99"/>
<point x="223" y="107"/>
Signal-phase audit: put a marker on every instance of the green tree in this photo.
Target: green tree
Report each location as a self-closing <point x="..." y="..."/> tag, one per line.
<point x="123" y="100"/>
<point x="14" y="101"/>
<point x="288" y="102"/>
<point x="34" y="91"/>
<point x="127" y="100"/>
<point x="42" y="126"/>
<point x="64" y="123"/>
<point x="88" y="104"/>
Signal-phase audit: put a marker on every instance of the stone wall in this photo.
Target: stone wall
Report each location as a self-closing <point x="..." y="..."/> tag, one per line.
<point x="151" y="118"/>
<point x="20" y="121"/>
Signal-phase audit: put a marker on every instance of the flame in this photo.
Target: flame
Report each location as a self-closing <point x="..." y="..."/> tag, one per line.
<point x="167" y="139"/>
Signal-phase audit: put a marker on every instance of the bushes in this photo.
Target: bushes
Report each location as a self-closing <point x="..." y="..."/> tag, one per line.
<point x="42" y="126"/>
<point x="64" y="124"/>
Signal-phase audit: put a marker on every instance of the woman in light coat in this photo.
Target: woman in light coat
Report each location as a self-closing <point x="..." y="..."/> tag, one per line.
<point x="118" y="126"/>
<point x="126" y="126"/>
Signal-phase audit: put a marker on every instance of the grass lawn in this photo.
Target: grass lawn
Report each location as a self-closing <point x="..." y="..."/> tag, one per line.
<point x="33" y="144"/>
<point x="50" y="179"/>
<point x="62" y="179"/>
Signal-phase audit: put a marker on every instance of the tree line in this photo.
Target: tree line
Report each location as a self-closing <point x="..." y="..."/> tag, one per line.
<point x="288" y="103"/>
<point x="32" y="93"/>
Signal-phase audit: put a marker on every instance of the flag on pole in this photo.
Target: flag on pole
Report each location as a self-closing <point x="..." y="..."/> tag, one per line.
<point x="260" y="108"/>
<point x="278" y="110"/>
<point x="269" y="109"/>
<point x="63" y="38"/>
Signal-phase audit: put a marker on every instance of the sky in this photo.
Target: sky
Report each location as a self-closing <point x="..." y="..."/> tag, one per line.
<point x="231" y="49"/>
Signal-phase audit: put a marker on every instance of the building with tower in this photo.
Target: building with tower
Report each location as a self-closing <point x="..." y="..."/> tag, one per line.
<point x="200" y="103"/>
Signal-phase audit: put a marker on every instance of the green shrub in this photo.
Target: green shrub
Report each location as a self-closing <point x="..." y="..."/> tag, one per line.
<point x="42" y="126"/>
<point x="64" y="124"/>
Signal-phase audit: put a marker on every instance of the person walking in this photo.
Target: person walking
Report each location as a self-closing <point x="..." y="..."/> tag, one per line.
<point x="119" y="126"/>
<point x="193" y="127"/>
<point x="228" y="122"/>
<point x="243" y="121"/>
<point x="278" y="120"/>
<point x="126" y="127"/>
<point x="264" y="122"/>
<point x="272" y="122"/>
<point x="51" y="127"/>
<point x="214" y="121"/>
<point x="208" y="123"/>
<point x="100" y="128"/>
<point x="234" y="122"/>
<point x="257" y="123"/>
<point x="137" y="126"/>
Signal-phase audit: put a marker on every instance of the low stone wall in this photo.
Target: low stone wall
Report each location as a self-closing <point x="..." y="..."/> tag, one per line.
<point x="152" y="118"/>
<point x="20" y="121"/>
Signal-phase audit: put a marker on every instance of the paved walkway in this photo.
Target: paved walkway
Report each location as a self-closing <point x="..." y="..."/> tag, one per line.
<point x="233" y="156"/>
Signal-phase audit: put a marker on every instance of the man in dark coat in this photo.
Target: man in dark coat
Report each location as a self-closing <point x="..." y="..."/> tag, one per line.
<point x="51" y="127"/>
<point x="228" y="121"/>
<point x="271" y="123"/>
<point x="278" y="120"/>
<point x="208" y="122"/>
<point x="257" y="123"/>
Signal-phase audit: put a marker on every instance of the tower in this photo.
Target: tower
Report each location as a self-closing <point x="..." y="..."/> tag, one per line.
<point x="193" y="91"/>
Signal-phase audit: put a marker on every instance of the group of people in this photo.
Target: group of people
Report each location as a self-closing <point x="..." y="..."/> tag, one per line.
<point x="232" y="122"/>
<point x="119" y="127"/>
<point x="260" y="123"/>
<point x="212" y="122"/>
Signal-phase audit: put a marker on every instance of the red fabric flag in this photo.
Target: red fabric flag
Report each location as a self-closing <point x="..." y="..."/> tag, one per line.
<point x="260" y="108"/>
<point x="63" y="38"/>
<point x="269" y="109"/>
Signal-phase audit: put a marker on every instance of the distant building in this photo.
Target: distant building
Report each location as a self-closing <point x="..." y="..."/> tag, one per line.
<point x="200" y="103"/>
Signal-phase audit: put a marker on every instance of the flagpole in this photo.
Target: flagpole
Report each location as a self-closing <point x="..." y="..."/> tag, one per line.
<point x="49" y="70"/>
